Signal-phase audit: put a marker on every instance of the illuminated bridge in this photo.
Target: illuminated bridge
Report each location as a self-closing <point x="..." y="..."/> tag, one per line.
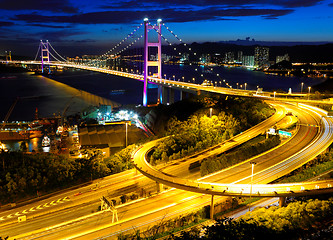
<point x="167" y="87"/>
<point x="151" y="71"/>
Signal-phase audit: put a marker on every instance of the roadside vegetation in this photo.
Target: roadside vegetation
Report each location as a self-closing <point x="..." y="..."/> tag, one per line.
<point x="241" y="153"/>
<point x="218" y="119"/>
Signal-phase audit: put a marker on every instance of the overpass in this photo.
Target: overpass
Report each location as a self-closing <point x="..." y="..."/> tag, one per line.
<point x="323" y="139"/>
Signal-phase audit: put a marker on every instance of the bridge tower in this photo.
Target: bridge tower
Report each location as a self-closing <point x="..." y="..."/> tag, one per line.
<point x="147" y="63"/>
<point x="45" y="54"/>
<point x="8" y="56"/>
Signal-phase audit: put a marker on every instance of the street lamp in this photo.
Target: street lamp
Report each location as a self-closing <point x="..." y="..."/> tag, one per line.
<point x="210" y="112"/>
<point x="252" y="164"/>
<point x="274" y="95"/>
<point x="302" y="84"/>
<point x="126" y="124"/>
<point x="309" y="93"/>
<point x="245" y="85"/>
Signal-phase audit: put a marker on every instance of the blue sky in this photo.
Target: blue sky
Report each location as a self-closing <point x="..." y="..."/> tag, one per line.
<point x="78" y="27"/>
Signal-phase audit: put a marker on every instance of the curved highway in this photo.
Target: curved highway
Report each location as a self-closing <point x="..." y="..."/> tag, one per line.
<point x="309" y="143"/>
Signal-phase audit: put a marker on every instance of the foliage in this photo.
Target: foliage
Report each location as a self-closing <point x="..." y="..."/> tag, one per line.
<point x="296" y="215"/>
<point x="243" y="152"/>
<point x="121" y="160"/>
<point x="27" y="174"/>
<point x="198" y="131"/>
<point x="295" y="221"/>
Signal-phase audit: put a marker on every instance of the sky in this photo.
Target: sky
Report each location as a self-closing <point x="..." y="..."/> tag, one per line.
<point x="77" y="27"/>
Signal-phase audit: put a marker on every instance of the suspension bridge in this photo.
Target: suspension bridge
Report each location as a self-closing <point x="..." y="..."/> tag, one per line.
<point x="140" y="66"/>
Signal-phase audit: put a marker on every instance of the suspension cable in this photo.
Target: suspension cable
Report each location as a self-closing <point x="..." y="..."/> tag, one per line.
<point x="122" y="41"/>
<point x="190" y="50"/>
<point x="57" y="53"/>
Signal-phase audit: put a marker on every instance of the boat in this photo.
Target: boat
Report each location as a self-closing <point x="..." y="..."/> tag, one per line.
<point x="46" y="141"/>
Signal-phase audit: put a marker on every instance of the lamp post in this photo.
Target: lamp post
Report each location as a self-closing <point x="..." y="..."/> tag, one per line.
<point x="126" y="123"/>
<point x="309" y="93"/>
<point x="274" y="95"/>
<point x="210" y="112"/>
<point x="252" y="164"/>
<point x="302" y="84"/>
<point x="245" y="85"/>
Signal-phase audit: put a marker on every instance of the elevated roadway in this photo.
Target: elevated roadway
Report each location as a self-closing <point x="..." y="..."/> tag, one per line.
<point x="283" y="164"/>
<point x="188" y="87"/>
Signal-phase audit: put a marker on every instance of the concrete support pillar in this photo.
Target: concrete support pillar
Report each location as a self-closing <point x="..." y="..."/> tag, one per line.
<point x="282" y="201"/>
<point x="159" y="187"/>
<point x="181" y="95"/>
<point x="164" y="95"/>
<point x="212" y="207"/>
<point x="171" y="95"/>
<point x="159" y="95"/>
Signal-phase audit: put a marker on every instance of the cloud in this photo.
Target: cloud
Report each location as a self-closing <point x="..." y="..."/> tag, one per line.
<point x="6" y="24"/>
<point x="171" y="15"/>
<point x="58" y="36"/>
<point x="47" y="26"/>
<point x="205" y="3"/>
<point x="331" y="4"/>
<point x="45" y="5"/>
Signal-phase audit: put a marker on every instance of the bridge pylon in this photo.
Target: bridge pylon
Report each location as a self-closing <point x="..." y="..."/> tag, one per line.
<point x="147" y="63"/>
<point x="45" y="54"/>
<point x="8" y="56"/>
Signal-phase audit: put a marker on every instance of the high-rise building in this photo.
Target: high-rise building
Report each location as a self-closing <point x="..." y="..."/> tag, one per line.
<point x="261" y="57"/>
<point x="240" y="56"/>
<point x="282" y="58"/>
<point x="205" y="58"/>
<point x="229" y="57"/>
<point x="248" y="61"/>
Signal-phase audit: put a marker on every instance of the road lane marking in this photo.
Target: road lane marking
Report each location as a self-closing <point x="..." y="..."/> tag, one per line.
<point x="18" y="213"/>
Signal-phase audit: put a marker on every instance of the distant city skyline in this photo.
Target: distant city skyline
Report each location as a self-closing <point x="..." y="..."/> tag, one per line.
<point x="93" y="27"/>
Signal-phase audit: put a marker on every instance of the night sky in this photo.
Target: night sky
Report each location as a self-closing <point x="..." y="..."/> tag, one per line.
<point x="76" y="27"/>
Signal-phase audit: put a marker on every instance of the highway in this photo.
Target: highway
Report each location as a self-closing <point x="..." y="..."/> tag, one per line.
<point x="270" y="166"/>
<point x="140" y="214"/>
